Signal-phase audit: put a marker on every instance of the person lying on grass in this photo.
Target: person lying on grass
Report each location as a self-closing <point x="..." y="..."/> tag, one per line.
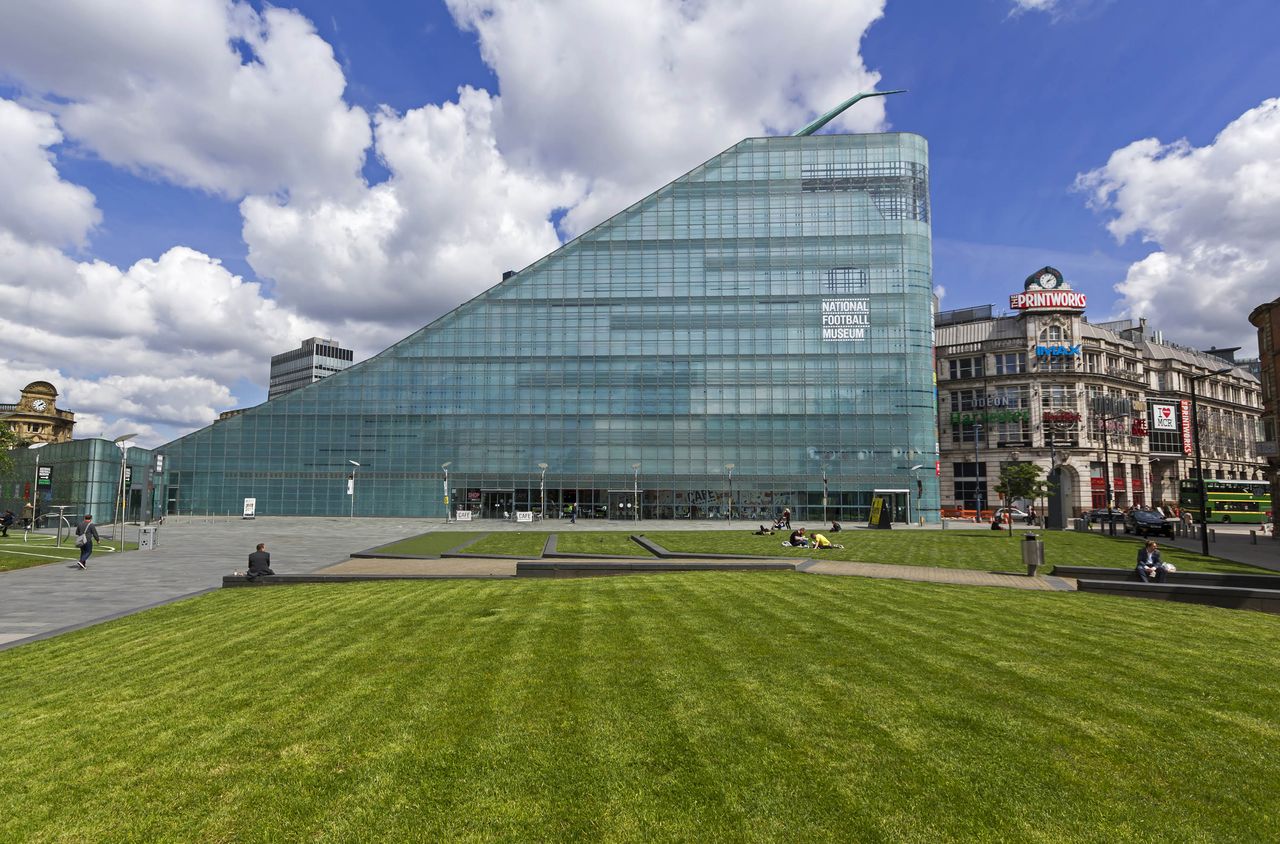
<point x="820" y="542"/>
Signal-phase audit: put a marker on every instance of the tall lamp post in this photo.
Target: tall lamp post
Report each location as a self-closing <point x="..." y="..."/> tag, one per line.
<point x="915" y="474"/>
<point x="120" y="443"/>
<point x="824" y="493"/>
<point x="35" y="485"/>
<point x="1195" y="430"/>
<point x="728" y="467"/>
<point x="444" y="467"/>
<point x="542" y="490"/>
<point x="635" y="489"/>
<point x="977" y="437"/>
<point x="352" y="491"/>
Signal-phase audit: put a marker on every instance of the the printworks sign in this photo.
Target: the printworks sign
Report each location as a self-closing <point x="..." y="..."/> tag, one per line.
<point x="1046" y="290"/>
<point x="1164" y="417"/>
<point x="845" y="319"/>
<point x="1187" y="446"/>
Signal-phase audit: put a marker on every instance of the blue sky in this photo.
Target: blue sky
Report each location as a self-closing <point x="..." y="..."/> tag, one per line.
<point x="222" y="179"/>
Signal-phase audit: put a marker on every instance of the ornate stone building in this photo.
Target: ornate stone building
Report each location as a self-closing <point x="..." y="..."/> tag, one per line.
<point x="1108" y="404"/>
<point x="1266" y="318"/>
<point x="36" y="418"/>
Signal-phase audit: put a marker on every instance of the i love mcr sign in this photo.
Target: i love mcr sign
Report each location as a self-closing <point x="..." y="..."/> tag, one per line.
<point x="1164" y="417"/>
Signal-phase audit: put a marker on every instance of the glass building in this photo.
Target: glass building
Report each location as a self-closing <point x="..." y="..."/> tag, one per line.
<point x="754" y="335"/>
<point x="83" y="476"/>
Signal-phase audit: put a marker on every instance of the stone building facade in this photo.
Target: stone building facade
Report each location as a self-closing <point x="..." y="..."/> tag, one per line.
<point x="35" y="418"/>
<point x="1107" y="404"/>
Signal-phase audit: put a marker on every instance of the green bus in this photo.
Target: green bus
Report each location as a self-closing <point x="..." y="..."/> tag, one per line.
<point x="1242" y="502"/>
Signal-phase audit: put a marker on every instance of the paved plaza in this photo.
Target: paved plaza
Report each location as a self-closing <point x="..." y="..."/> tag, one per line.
<point x="193" y="555"/>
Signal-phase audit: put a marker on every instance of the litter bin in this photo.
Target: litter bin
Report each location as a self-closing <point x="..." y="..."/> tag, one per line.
<point x="1032" y="553"/>
<point x="147" y="537"/>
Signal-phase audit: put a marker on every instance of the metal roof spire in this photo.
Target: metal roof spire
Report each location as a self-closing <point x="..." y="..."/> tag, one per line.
<point x="835" y="112"/>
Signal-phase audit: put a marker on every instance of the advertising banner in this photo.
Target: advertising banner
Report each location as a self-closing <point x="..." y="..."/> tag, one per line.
<point x="1187" y="447"/>
<point x="1164" y="417"/>
<point x="250" y="508"/>
<point x="44" y="477"/>
<point x="524" y="515"/>
<point x="463" y="515"/>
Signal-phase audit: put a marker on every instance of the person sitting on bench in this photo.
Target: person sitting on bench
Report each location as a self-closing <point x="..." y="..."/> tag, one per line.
<point x="1150" y="565"/>
<point x="260" y="562"/>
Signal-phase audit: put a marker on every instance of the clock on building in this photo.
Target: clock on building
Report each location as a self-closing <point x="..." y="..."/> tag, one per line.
<point x="39" y="405"/>
<point x="1044" y="279"/>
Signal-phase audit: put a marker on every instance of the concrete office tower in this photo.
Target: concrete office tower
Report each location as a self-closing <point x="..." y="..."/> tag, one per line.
<point x="316" y="358"/>
<point x="771" y="310"/>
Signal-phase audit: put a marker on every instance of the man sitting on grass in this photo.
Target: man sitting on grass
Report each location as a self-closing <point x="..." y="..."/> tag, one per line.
<point x="798" y="539"/>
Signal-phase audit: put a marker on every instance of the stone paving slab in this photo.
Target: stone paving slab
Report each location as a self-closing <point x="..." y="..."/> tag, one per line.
<point x="924" y="574"/>
<point x="443" y="567"/>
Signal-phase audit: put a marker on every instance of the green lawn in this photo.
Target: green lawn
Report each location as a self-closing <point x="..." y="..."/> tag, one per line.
<point x="985" y="550"/>
<point x="511" y="544"/>
<point x="697" y="707"/>
<point x="428" y="544"/>
<point x="600" y="542"/>
<point x="40" y="550"/>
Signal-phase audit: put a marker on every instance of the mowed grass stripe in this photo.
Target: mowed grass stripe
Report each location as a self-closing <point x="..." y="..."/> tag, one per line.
<point x="749" y="706"/>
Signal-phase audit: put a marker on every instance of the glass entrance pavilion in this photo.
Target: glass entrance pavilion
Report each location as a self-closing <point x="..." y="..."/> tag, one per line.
<point x="755" y="335"/>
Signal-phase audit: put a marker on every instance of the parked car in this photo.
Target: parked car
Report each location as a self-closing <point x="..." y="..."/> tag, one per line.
<point x="1147" y="522"/>
<point x="1102" y="516"/>
<point x="1018" y="515"/>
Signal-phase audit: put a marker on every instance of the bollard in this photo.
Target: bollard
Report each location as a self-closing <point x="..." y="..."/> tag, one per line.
<point x="1213" y="535"/>
<point x="1253" y="537"/>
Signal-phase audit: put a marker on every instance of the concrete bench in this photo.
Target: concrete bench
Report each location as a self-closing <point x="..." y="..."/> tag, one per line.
<point x="1195" y="578"/>
<point x="1230" y="597"/>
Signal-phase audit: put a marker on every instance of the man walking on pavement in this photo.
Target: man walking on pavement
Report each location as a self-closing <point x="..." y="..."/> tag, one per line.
<point x="573" y="514"/>
<point x="86" y="535"/>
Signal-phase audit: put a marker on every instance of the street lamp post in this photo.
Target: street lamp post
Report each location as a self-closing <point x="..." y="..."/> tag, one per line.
<point x="119" y="443"/>
<point x="1195" y="430"/>
<point x="635" y="490"/>
<point x="728" y="467"/>
<point x="542" y="490"/>
<point x="824" y="493"/>
<point x="35" y="485"/>
<point x="352" y="491"/>
<point x="977" y="436"/>
<point x="915" y="474"/>
<point x="444" y="467"/>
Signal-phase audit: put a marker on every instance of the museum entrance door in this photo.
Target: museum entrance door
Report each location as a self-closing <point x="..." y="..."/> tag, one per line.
<point x="496" y="503"/>
<point x="621" y="504"/>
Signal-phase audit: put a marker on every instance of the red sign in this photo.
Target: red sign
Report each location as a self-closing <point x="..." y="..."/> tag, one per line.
<point x="1061" y="416"/>
<point x="937" y="468"/>
<point x="1139" y="428"/>
<point x="1047" y="300"/>
<point x="1186" y="427"/>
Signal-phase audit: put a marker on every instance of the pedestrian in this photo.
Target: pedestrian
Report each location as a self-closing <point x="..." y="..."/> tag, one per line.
<point x="260" y="562"/>
<point x="86" y="535"/>
<point x="786" y="518"/>
<point x="5" y="521"/>
<point x="1031" y="515"/>
<point x="573" y="514"/>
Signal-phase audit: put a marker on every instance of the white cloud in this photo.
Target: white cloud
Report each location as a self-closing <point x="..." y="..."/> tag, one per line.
<point x="451" y="218"/>
<point x="37" y="204"/>
<point x="629" y="95"/>
<point x="161" y="87"/>
<point x="1213" y="211"/>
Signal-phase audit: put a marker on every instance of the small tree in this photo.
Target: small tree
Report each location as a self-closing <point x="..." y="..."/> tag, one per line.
<point x="8" y="440"/>
<point x="1020" y="480"/>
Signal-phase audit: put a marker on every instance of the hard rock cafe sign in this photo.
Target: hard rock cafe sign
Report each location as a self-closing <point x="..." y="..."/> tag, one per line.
<point x="1045" y="290"/>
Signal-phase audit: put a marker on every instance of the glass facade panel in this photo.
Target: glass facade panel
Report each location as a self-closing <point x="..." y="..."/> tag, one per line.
<point x="770" y="309"/>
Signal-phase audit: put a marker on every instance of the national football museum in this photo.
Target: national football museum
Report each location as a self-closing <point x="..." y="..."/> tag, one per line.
<point x="753" y="336"/>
